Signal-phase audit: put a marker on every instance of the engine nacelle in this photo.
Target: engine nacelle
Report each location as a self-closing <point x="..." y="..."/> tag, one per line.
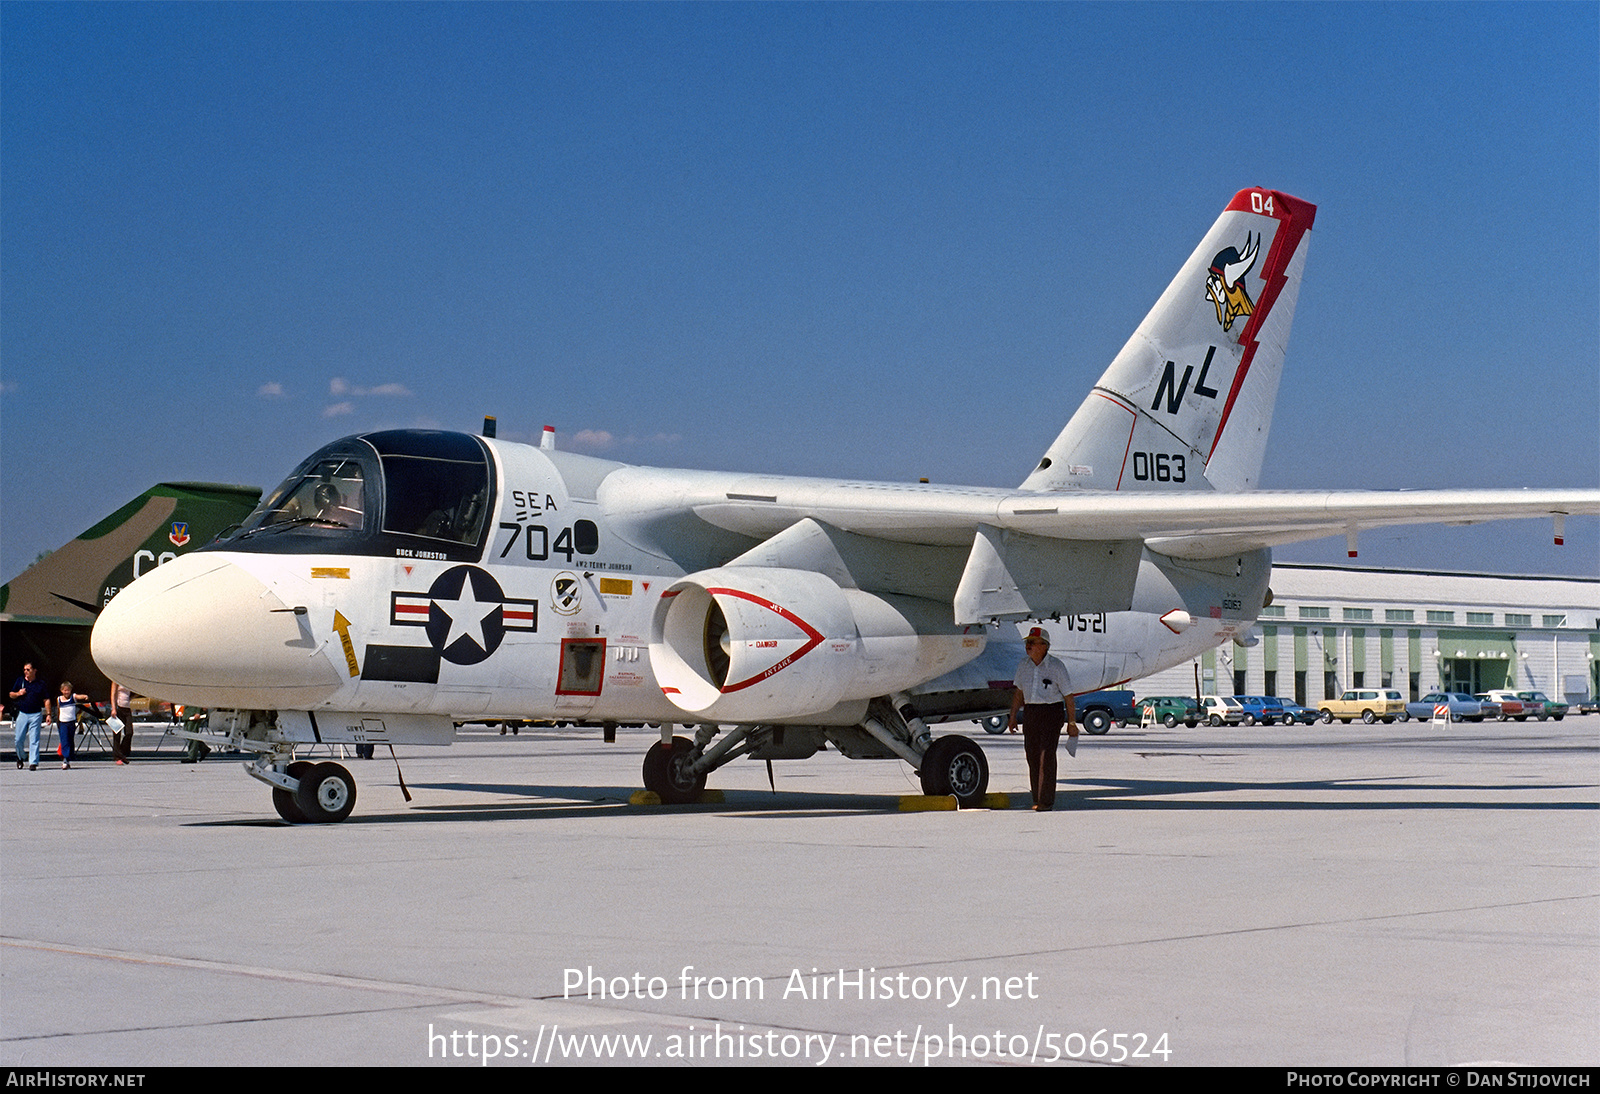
<point x="758" y="644"/>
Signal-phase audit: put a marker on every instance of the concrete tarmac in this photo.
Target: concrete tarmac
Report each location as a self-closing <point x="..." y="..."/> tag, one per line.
<point x="1331" y="895"/>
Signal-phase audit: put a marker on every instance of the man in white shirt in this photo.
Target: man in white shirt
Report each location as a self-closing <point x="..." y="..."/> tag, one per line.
<point x="1046" y="706"/>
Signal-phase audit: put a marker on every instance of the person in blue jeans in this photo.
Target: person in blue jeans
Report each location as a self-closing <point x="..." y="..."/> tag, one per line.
<point x="31" y="696"/>
<point x="67" y="721"/>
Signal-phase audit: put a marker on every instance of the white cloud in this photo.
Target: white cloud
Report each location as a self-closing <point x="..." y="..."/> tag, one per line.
<point x="591" y="440"/>
<point x="270" y="390"/>
<point x="339" y="386"/>
<point x="337" y="409"/>
<point x="598" y="440"/>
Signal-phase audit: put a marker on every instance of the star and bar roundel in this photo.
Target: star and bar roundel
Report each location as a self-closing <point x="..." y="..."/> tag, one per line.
<point x="465" y="612"/>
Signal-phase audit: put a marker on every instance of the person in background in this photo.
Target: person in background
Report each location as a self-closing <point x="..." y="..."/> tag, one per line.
<point x="122" y="710"/>
<point x="31" y="697"/>
<point x="67" y="721"/>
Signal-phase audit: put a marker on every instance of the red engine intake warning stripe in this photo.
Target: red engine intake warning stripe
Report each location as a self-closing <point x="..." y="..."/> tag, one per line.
<point x="814" y="637"/>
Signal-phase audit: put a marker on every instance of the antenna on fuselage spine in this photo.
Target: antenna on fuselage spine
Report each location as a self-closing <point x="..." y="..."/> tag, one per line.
<point x="488" y="426"/>
<point x="548" y="440"/>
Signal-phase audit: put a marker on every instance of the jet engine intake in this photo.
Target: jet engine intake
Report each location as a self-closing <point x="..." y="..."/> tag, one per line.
<point x="758" y="644"/>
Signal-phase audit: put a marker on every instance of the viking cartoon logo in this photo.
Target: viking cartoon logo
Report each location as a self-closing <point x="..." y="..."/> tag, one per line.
<point x="1225" y="281"/>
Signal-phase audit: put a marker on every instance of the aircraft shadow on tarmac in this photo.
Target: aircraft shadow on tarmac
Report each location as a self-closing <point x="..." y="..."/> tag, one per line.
<point x="1160" y="794"/>
<point x="1333" y="795"/>
<point x="593" y="803"/>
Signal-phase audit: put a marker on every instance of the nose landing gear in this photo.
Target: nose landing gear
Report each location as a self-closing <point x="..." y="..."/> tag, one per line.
<point x="323" y="793"/>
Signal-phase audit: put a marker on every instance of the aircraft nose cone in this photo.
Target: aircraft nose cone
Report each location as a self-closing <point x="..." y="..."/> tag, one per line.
<point x="201" y="630"/>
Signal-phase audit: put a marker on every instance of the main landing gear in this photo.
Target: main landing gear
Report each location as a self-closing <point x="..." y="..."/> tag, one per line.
<point x="675" y="768"/>
<point x="955" y="765"/>
<point x="669" y="774"/>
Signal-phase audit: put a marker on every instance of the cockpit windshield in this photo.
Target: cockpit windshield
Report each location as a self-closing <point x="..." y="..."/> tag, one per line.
<point x="400" y="492"/>
<point x="328" y="495"/>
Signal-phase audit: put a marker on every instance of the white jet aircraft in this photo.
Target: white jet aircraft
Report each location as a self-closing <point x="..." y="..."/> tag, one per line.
<point x="402" y="581"/>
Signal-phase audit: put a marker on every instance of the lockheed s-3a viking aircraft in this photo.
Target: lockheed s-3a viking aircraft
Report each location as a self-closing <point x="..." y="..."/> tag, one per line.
<point x="401" y="581"/>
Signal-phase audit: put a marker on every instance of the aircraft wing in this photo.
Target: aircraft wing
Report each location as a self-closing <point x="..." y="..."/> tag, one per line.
<point x="1183" y="525"/>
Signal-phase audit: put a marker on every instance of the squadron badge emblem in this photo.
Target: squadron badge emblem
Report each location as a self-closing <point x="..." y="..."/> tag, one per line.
<point x="1225" y="281"/>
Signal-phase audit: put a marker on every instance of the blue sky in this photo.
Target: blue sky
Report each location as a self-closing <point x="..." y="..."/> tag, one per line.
<point x="844" y="240"/>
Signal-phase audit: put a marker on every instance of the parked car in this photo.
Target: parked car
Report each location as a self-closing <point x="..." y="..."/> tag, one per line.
<point x="1541" y="707"/>
<point x="1510" y="705"/>
<point x="1221" y="708"/>
<point x="1463" y="707"/>
<point x="1260" y="708"/>
<point x="1368" y="704"/>
<point x="1097" y="711"/>
<point x="1169" y="710"/>
<point x="1294" y="712"/>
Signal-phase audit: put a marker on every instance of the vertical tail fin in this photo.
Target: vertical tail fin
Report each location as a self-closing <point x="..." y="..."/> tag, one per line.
<point x="1187" y="403"/>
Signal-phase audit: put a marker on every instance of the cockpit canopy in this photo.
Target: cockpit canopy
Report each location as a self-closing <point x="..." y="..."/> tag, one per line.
<point x="401" y="492"/>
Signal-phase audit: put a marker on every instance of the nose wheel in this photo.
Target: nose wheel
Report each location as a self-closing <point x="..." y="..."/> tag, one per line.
<point x="283" y="800"/>
<point x="326" y="794"/>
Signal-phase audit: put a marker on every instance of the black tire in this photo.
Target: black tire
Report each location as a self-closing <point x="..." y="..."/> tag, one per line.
<point x="327" y="794"/>
<point x="1170" y="720"/>
<point x="283" y="801"/>
<point x="1368" y="717"/>
<point x="995" y="724"/>
<point x="1403" y="716"/>
<point x="1097" y="722"/>
<point x="664" y="772"/>
<point x="1214" y="720"/>
<point x="956" y="766"/>
<point x="1249" y="719"/>
<point x="1327" y="717"/>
